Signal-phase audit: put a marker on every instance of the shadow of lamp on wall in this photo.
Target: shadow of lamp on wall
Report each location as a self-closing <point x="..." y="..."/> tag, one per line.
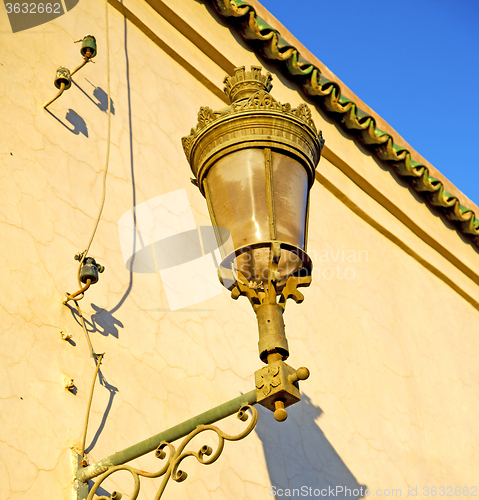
<point x="302" y="462"/>
<point x="254" y="162"/>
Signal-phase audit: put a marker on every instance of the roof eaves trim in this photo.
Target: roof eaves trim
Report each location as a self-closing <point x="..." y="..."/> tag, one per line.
<point x="264" y="39"/>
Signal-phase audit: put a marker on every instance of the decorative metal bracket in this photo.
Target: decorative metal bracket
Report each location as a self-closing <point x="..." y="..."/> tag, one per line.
<point x="187" y="430"/>
<point x="205" y="455"/>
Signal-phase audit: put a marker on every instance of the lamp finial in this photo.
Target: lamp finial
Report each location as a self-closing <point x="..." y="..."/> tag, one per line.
<point x="243" y="84"/>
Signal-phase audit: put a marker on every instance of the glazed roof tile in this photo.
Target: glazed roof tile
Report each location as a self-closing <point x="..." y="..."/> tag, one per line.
<point x="326" y="93"/>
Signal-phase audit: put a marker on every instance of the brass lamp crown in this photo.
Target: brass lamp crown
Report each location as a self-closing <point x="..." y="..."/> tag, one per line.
<point x="219" y="132"/>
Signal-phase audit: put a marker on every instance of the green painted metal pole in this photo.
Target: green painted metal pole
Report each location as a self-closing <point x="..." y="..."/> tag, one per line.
<point x="178" y="431"/>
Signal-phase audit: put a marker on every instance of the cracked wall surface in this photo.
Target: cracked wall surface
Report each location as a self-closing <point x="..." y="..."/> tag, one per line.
<point x="389" y="327"/>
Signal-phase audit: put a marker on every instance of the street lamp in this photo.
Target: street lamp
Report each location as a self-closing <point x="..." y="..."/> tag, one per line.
<point x="254" y="162"/>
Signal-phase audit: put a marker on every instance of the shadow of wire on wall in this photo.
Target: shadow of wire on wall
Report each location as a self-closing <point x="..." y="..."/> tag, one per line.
<point x="101" y="321"/>
<point x="112" y="390"/>
<point x="79" y="124"/>
<point x="299" y="457"/>
<point x="103" y="317"/>
<point x="132" y="166"/>
<point x="99" y="94"/>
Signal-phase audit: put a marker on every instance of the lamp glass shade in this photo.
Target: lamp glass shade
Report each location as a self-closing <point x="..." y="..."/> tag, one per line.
<point x="259" y="195"/>
<point x="290" y="184"/>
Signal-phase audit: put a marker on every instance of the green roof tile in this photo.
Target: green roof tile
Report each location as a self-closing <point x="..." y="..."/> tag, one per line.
<point x="265" y="40"/>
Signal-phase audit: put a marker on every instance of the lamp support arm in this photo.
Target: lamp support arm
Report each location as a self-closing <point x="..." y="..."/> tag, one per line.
<point x="84" y="474"/>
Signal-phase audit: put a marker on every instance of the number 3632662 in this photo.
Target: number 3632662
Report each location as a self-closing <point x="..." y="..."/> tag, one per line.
<point x="33" y="8"/>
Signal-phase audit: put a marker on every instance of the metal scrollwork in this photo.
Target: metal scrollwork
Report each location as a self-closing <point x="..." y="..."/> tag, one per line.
<point x="205" y="455"/>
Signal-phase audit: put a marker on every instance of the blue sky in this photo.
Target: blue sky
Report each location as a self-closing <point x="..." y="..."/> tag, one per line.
<point x="415" y="62"/>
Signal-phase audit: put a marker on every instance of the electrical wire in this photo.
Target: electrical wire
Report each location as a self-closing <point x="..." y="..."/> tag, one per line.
<point x="85" y="252"/>
<point x="74" y="296"/>
<point x="60" y="92"/>
<point x="99" y="357"/>
<point x="107" y="160"/>
<point x="85" y="60"/>
<point x="92" y="351"/>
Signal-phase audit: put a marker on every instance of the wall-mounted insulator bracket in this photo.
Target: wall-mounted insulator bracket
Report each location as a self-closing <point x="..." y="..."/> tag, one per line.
<point x="68" y="383"/>
<point x="88" y="276"/>
<point x="89" y="270"/>
<point x="88" y="46"/>
<point x="63" y="76"/>
<point x="65" y="335"/>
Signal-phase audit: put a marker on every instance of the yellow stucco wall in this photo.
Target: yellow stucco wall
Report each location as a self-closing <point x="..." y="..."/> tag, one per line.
<point x="389" y="327"/>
